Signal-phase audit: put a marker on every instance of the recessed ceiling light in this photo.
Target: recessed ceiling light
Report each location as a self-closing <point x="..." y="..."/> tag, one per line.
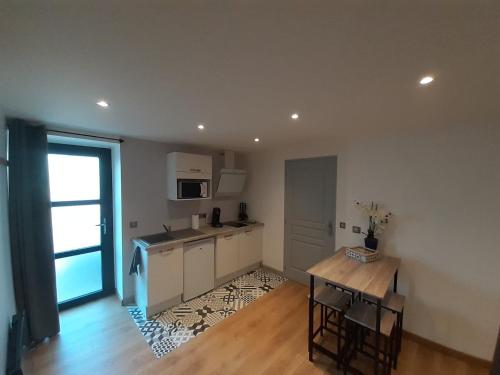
<point x="294" y="116"/>
<point x="103" y="104"/>
<point x="426" y="80"/>
<point x="256" y="140"/>
<point x="201" y="126"/>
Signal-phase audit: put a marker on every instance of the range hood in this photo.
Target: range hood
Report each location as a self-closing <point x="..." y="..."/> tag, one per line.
<point x="231" y="181"/>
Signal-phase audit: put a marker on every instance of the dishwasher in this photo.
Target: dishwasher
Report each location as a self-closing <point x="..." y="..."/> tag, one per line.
<point x="199" y="267"/>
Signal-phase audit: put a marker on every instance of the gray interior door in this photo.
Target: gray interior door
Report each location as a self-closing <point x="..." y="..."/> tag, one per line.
<point x="310" y="195"/>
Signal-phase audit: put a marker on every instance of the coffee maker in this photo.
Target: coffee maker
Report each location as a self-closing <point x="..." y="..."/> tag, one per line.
<point x="242" y="216"/>
<point x="216" y="218"/>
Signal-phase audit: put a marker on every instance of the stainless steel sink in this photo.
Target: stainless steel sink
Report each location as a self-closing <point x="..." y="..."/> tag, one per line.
<point x="154" y="239"/>
<point x="185" y="233"/>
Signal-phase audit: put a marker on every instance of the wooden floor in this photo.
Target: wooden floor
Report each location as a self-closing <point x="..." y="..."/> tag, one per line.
<point x="267" y="337"/>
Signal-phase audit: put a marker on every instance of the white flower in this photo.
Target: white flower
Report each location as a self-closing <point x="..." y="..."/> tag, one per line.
<point x="378" y="216"/>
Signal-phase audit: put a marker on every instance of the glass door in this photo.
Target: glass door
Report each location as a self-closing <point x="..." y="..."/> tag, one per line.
<point x="82" y="222"/>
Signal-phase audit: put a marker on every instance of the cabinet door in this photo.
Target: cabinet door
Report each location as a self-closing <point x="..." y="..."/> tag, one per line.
<point x="165" y="274"/>
<point x="250" y="247"/>
<point x="256" y="251"/>
<point x="141" y="282"/>
<point x="245" y="257"/>
<point x="226" y="255"/>
<point x="193" y="163"/>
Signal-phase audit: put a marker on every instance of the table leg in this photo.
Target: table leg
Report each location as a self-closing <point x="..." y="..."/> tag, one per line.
<point x="377" y="334"/>
<point x="395" y="283"/>
<point x="311" y="316"/>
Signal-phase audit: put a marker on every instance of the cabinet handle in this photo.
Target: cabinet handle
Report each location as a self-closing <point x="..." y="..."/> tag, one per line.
<point x="227" y="236"/>
<point x="248" y="231"/>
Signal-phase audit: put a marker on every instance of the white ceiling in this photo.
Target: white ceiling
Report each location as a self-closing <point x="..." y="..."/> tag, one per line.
<point x="242" y="67"/>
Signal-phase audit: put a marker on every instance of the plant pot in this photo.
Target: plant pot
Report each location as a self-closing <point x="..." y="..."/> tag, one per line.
<point x="371" y="242"/>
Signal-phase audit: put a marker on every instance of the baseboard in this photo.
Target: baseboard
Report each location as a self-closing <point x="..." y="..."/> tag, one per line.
<point x="234" y="275"/>
<point x="273" y="270"/>
<point x="130" y="301"/>
<point x="162" y="306"/>
<point x="448" y="351"/>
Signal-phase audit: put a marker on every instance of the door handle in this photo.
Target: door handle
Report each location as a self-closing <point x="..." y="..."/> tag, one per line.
<point x="103" y="225"/>
<point x="330" y="228"/>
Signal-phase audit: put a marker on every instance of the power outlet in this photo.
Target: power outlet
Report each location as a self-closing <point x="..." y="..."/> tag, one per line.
<point x="356" y="229"/>
<point x="133" y="224"/>
<point x="342" y="225"/>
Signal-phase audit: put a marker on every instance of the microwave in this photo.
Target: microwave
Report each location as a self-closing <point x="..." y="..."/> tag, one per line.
<point x="192" y="189"/>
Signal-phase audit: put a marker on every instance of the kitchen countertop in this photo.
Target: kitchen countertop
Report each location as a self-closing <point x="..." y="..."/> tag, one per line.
<point x="206" y="232"/>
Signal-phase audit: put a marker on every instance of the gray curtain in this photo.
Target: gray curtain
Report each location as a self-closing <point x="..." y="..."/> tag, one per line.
<point x="31" y="230"/>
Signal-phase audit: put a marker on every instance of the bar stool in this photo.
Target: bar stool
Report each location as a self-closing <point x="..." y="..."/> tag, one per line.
<point x="396" y="303"/>
<point x="360" y="317"/>
<point x="352" y="293"/>
<point x="332" y="302"/>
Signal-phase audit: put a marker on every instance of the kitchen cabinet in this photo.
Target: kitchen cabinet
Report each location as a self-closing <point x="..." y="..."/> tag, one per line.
<point x="184" y="168"/>
<point x="250" y="247"/>
<point x="170" y="272"/>
<point x="236" y="252"/>
<point x="226" y="255"/>
<point x="192" y="163"/>
<point x="159" y="284"/>
<point x="194" y="166"/>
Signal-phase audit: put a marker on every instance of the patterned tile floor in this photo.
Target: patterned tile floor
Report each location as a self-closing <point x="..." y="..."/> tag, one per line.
<point x="169" y="329"/>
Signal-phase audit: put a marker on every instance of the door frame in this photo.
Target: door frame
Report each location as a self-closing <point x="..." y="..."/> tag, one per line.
<point x="305" y="280"/>
<point x="107" y="242"/>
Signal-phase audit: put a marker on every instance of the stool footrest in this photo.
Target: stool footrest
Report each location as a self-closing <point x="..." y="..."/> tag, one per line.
<point x="392" y="301"/>
<point x="366" y="316"/>
<point x="332" y="298"/>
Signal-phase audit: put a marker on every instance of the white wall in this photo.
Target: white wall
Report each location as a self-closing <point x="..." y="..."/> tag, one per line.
<point x="444" y="189"/>
<point x="144" y="197"/>
<point x="7" y="304"/>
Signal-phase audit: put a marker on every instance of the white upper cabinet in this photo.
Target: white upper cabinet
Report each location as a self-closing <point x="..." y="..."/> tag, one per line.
<point x="190" y="165"/>
<point x="189" y="176"/>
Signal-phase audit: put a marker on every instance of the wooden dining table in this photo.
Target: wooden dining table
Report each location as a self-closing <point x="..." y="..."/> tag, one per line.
<point x="371" y="279"/>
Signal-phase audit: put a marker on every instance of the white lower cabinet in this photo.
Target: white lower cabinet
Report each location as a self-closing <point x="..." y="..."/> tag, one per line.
<point x="160" y="282"/>
<point x="237" y="251"/>
<point x="165" y="273"/>
<point x="226" y="255"/>
<point x="250" y="247"/>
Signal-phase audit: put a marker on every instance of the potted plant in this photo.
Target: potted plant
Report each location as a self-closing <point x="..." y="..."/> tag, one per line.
<point x="378" y="220"/>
